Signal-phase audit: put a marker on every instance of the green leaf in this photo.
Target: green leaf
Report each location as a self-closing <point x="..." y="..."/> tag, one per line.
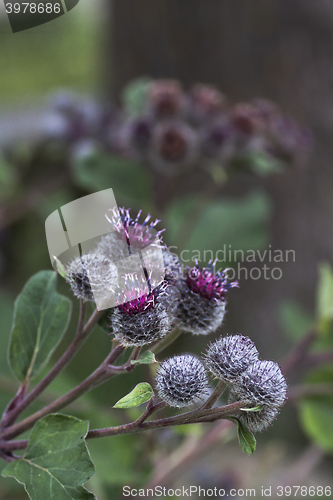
<point x="56" y="462"/>
<point x="246" y="438"/>
<point x="255" y="408"/>
<point x="60" y="267"/>
<point x="130" y="182"/>
<point x="325" y="297"/>
<point x="263" y="164"/>
<point x="41" y="317"/>
<point x="316" y="412"/>
<point x="134" y="96"/>
<point x="140" y="394"/>
<point x="147" y="358"/>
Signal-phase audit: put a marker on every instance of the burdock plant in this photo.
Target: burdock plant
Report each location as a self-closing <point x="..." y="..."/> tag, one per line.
<point x="146" y="317"/>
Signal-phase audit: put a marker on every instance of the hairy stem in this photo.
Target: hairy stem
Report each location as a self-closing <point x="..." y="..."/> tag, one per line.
<point x="195" y="416"/>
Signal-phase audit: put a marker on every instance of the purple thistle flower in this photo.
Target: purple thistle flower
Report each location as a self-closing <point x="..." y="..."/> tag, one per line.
<point x="202" y="301"/>
<point x="208" y="284"/>
<point x="181" y="380"/>
<point x="165" y="98"/>
<point x="247" y="119"/>
<point x="138" y="236"/>
<point x="137" y="300"/>
<point x="143" y="317"/>
<point x="205" y="102"/>
<point x="174" y="147"/>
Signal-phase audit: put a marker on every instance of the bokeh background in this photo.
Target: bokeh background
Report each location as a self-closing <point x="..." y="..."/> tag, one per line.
<point x="279" y="50"/>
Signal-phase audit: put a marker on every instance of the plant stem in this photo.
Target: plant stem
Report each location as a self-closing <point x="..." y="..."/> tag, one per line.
<point x="13" y="445"/>
<point x="100" y="375"/>
<point x="139" y="425"/>
<point x="191" y="417"/>
<point x="81" y="335"/>
<point x="218" y="391"/>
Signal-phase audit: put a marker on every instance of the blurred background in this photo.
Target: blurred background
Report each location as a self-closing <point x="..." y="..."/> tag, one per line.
<point x="81" y="109"/>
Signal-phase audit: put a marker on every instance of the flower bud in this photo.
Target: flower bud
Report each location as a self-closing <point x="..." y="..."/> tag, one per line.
<point x="202" y="301"/>
<point x="229" y="356"/>
<point x="89" y="274"/>
<point x="205" y="102"/>
<point x="174" y="147"/>
<point x="262" y="383"/>
<point x="247" y="119"/>
<point x="165" y="98"/>
<point x="172" y="265"/>
<point x="145" y="316"/>
<point x="256" y="421"/>
<point x="181" y="380"/>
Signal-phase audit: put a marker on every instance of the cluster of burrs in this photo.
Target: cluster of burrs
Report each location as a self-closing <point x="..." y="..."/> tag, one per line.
<point x="150" y="305"/>
<point x="260" y="385"/>
<point x="177" y="130"/>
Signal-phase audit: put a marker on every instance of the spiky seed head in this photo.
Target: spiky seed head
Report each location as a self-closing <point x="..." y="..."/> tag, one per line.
<point x="172" y="265"/>
<point x="256" y="421"/>
<point x="229" y="356"/>
<point x="143" y="317"/>
<point x="198" y="315"/>
<point x="91" y="273"/>
<point x="262" y="383"/>
<point x="181" y="380"/>
<point x="202" y="301"/>
<point x="113" y="246"/>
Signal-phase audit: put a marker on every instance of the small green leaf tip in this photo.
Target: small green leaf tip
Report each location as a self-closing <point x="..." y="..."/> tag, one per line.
<point x="246" y="439"/>
<point x="255" y="408"/>
<point x="60" y="267"/>
<point x="56" y="462"/>
<point x="147" y="358"/>
<point x="140" y="394"/>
